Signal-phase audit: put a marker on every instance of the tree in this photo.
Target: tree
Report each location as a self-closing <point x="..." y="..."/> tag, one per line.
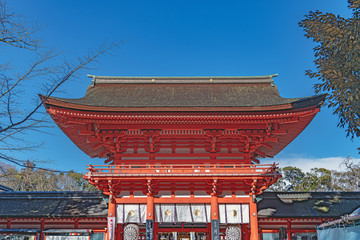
<point x="337" y="61"/>
<point x="349" y="179"/>
<point x="20" y="115"/>
<point x="292" y="177"/>
<point x="317" y="180"/>
<point x="30" y="178"/>
<point x="320" y="179"/>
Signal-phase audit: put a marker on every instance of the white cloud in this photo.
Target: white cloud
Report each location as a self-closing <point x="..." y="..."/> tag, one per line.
<point x="331" y="163"/>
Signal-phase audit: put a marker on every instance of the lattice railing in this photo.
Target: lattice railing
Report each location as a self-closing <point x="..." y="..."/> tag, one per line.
<point x="185" y="169"/>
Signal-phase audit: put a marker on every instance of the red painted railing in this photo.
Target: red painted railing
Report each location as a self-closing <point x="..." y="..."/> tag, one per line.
<point x="184" y="169"/>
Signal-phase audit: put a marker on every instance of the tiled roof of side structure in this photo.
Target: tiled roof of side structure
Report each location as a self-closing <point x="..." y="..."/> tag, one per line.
<point x="5" y="188"/>
<point x="52" y="204"/>
<point x="93" y="204"/>
<point x="307" y="204"/>
<point x="154" y="92"/>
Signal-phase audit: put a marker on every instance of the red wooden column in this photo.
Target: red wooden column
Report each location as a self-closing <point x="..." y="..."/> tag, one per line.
<point x="149" y="212"/>
<point x="215" y="228"/>
<point x="8" y="225"/>
<point x="42" y="228"/>
<point x="111" y="225"/>
<point x="289" y="229"/>
<point x="214" y="208"/>
<point x="254" y="227"/>
<point x="150" y="207"/>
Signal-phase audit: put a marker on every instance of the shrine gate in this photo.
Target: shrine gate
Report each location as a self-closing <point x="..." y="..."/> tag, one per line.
<point x="182" y="153"/>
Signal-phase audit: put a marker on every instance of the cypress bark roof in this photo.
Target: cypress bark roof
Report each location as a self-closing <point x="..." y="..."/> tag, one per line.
<point x="186" y="92"/>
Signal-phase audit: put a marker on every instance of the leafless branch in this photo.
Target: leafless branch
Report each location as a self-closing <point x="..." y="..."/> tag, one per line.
<point x="23" y="164"/>
<point x="32" y="71"/>
<point x="14" y="31"/>
<point x="48" y="72"/>
<point x="69" y="71"/>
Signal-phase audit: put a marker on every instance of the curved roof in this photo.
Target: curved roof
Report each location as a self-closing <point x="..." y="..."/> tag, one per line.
<point x="170" y="102"/>
<point x="249" y="93"/>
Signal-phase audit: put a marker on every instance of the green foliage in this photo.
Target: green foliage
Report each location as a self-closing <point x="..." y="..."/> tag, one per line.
<point x="337" y="61"/>
<point x="291" y="178"/>
<point x="320" y="179"/>
<point x="34" y="179"/>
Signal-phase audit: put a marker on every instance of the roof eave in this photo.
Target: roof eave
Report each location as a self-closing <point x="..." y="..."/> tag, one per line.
<point x="309" y="102"/>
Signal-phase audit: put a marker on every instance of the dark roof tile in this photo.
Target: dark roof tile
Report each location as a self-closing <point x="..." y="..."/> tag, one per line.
<point x="52" y="204"/>
<point x="308" y="204"/>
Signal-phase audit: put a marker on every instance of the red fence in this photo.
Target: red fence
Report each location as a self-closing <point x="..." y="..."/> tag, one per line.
<point x="185" y="169"/>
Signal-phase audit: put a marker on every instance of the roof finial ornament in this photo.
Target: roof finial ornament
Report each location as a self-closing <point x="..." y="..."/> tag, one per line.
<point x="93" y="79"/>
<point x="153" y="80"/>
<point x="272" y="80"/>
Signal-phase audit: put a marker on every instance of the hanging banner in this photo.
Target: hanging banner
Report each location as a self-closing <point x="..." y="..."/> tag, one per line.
<point x="188" y="213"/>
<point x="149" y="229"/>
<point x="234" y="213"/>
<point x="215" y="230"/>
<point x="111" y="227"/>
<point x="131" y="213"/>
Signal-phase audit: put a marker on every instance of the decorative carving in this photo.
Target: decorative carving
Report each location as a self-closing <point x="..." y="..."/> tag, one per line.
<point x="131" y="213"/>
<point x="131" y="232"/>
<point x="233" y="213"/>
<point x="149" y="191"/>
<point x="167" y="213"/>
<point x="197" y="212"/>
<point x="233" y="233"/>
<point x="214" y="188"/>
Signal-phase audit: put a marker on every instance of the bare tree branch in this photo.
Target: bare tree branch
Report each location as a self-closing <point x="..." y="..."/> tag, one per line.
<point x="48" y="72"/>
<point x="82" y="63"/>
<point x="30" y="72"/>
<point x="14" y="31"/>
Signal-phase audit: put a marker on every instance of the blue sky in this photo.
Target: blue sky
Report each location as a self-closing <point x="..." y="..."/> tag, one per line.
<point x="189" y="38"/>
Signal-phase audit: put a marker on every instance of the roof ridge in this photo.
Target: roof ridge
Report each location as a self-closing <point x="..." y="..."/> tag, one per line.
<point x="182" y="79"/>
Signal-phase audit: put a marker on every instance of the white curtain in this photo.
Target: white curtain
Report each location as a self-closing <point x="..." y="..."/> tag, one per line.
<point x="190" y="213"/>
<point x="131" y="213"/>
<point x="234" y="213"/>
<point x="165" y="213"/>
<point x="201" y="213"/>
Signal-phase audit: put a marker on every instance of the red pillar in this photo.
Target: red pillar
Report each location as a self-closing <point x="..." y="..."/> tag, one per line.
<point x="76" y="225"/>
<point x="150" y="217"/>
<point x="42" y="228"/>
<point x="150" y="208"/>
<point x="254" y="227"/>
<point x="8" y="225"/>
<point x="289" y="229"/>
<point x="214" y="208"/>
<point x="111" y="219"/>
<point x="215" y="228"/>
